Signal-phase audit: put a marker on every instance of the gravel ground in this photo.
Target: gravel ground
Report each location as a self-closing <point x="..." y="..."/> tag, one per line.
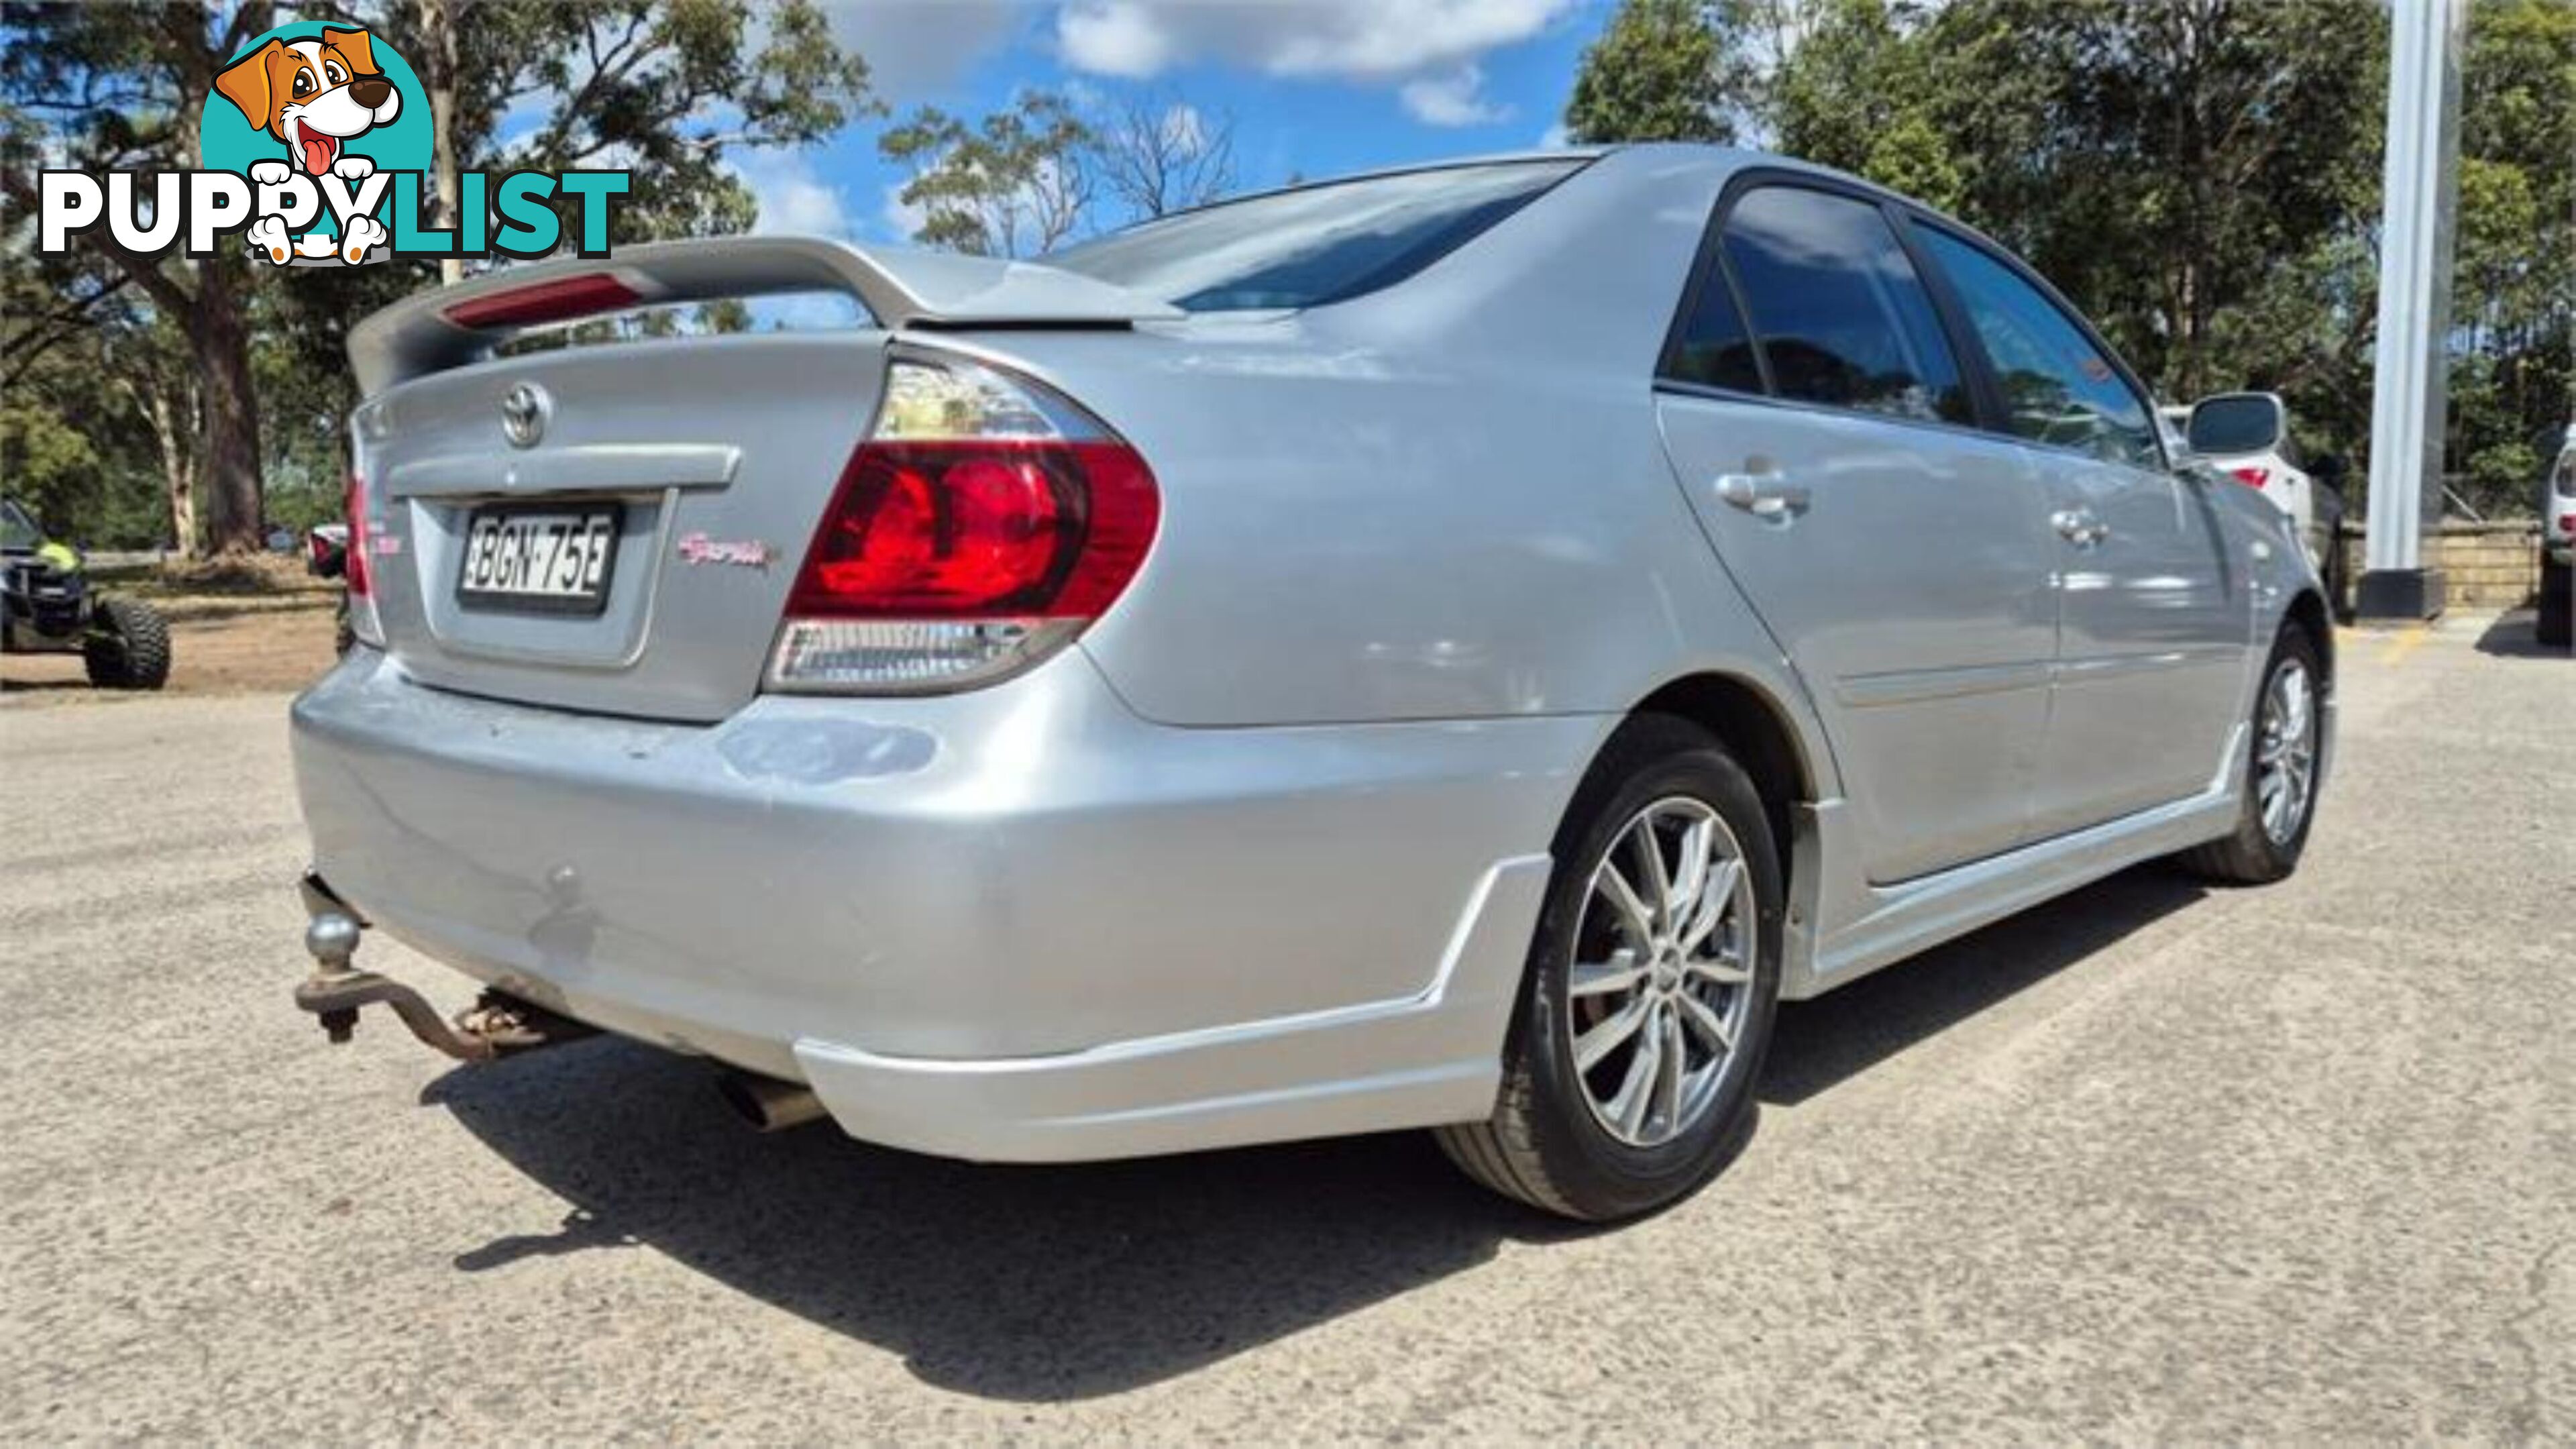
<point x="2150" y="1163"/>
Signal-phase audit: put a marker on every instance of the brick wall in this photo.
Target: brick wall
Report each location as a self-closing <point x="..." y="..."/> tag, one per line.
<point x="2486" y="565"/>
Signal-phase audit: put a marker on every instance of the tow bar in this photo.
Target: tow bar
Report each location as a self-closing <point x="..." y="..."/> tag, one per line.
<point x="496" y="1025"/>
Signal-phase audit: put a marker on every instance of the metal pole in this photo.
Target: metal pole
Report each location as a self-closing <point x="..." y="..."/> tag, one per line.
<point x="2410" y="394"/>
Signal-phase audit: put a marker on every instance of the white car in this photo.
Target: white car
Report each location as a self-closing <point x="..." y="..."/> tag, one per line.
<point x="2246" y="435"/>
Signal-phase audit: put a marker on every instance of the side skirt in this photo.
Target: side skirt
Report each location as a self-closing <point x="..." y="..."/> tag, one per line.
<point x="1845" y="931"/>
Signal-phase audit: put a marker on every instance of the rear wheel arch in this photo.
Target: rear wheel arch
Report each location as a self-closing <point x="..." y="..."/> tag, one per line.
<point x="1757" y="731"/>
<point x="1551" y="1139"/>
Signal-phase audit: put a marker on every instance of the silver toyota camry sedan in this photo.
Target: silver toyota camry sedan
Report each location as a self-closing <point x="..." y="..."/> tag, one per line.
<point x="1447" y="648"/>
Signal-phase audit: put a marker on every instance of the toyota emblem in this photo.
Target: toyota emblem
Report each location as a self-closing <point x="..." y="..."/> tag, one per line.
<point x="524" y="410"/>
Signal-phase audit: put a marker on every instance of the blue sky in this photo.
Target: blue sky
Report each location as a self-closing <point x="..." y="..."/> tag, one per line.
<point x="1313" y="87"/>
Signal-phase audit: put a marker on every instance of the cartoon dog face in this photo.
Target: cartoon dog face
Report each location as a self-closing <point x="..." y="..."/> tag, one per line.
<point x="312" y="94"/>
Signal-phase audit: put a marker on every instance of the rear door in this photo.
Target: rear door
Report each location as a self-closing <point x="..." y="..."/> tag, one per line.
<point x="2155" y="616"/>
<point x="1819" y="422"/>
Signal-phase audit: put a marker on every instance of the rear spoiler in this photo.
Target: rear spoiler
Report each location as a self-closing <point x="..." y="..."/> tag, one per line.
<point x="901" y="287"/>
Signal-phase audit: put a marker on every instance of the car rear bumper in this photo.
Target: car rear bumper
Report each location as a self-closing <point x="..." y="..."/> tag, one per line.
<point x="1016" y="924"/>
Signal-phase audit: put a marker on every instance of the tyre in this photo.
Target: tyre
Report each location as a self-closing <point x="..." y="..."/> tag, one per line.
<point x="2280" y="774"/>
<point x="2557" y="601"/>
<point x="1646" y="1007"/>
<point x="128" y="646"/>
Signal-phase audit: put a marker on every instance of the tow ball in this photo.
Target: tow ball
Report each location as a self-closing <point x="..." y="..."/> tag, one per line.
<point x="496" y="1025"/>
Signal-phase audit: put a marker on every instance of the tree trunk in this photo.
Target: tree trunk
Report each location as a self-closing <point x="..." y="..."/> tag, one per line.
<point x="437" y="20"/>
<point x="231" y="451"/>
<point x="229" y="413"/>
<point x="183" y="506"/>
<point x="178" y="467"/>
<point x="173" y="426"/>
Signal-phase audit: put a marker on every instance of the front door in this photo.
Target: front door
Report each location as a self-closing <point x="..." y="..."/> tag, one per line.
<point x="1901" y="559"/>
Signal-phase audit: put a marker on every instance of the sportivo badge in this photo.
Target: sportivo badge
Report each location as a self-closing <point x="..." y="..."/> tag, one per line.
<point x="749" y="553"/>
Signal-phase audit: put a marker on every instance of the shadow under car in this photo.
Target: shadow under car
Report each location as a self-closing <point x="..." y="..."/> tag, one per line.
<point x="1053" y="1283"/>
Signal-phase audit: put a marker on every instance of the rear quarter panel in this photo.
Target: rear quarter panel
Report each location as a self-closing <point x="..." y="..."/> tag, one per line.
<point x="1444" y="501"/>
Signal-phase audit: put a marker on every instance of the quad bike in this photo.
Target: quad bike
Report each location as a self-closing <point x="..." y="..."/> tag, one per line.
<point x="48" y="606"/>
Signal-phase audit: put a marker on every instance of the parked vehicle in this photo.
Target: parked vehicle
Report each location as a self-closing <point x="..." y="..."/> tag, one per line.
<point x="49" y="606"/>
<point x="326" y="546"/>
<point x="2558" y="544"/>
<point x="2246" y="435"/>
<point x="1447" y="648"/>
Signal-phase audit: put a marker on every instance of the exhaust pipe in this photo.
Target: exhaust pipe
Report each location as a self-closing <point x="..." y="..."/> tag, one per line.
<point x="767" y="1103"/>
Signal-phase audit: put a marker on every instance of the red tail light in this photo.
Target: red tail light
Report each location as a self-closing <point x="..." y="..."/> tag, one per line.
<point x="958" y="529"/>
<point x="353" y="566"/>
<point x="2251" y="477"/>
<point x="358" y="563"/>
<point x="978" y="528"/>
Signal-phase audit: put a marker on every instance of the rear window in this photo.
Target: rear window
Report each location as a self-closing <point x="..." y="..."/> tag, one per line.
<point x="1313" y="245"/>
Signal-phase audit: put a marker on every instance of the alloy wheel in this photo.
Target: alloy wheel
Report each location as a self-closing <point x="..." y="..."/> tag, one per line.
<point x="1662" y="977"/>
<point x="2285" y="757"/>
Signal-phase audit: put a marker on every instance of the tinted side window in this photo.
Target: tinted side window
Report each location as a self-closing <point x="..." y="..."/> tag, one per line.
<point x="1714" y="348"/>
<point x="2058" y="387"/>
<point x="1842" y="316"/>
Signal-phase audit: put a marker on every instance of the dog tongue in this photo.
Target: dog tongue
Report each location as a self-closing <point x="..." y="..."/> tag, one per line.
<point x="317" y="154"/>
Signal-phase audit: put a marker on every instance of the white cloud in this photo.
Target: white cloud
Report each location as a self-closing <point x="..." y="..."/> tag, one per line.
<point x="1184" y="129"/>
<point x="897" y="218"/>
<point x="1368" y="40"/>
<point x="917" y="49"/>
<point x="792" y="197"/>
<point x="1451" y="98"/>
<point x="1114" y="38"/>
<point x="1555" y="138"/>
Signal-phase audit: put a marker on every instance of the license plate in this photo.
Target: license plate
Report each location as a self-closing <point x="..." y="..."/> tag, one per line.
<point x="542" y="559"/>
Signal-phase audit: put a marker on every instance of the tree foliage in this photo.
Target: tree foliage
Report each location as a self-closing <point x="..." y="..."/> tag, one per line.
<point x="670" y="90"/>
<point x="667" y="89"/>
<point x="112" y="86"/>
<point x="1859" y="93"/>
<point x="2201" y="176"/>
<point x="2514" y="297"/>
<point x="1665" y="70"/>
<point x="1037" y="173"/>
<point x="1014" y="185"/>
<point x="1157" y="154"/>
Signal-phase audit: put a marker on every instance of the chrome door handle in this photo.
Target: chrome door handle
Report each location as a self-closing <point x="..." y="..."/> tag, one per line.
<point x="2079" y="527"/>
<point x="1764" y="495"/>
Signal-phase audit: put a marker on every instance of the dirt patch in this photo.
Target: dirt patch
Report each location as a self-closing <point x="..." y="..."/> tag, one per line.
<point x="215" y="648"/>
<point x="234" y="573"/>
